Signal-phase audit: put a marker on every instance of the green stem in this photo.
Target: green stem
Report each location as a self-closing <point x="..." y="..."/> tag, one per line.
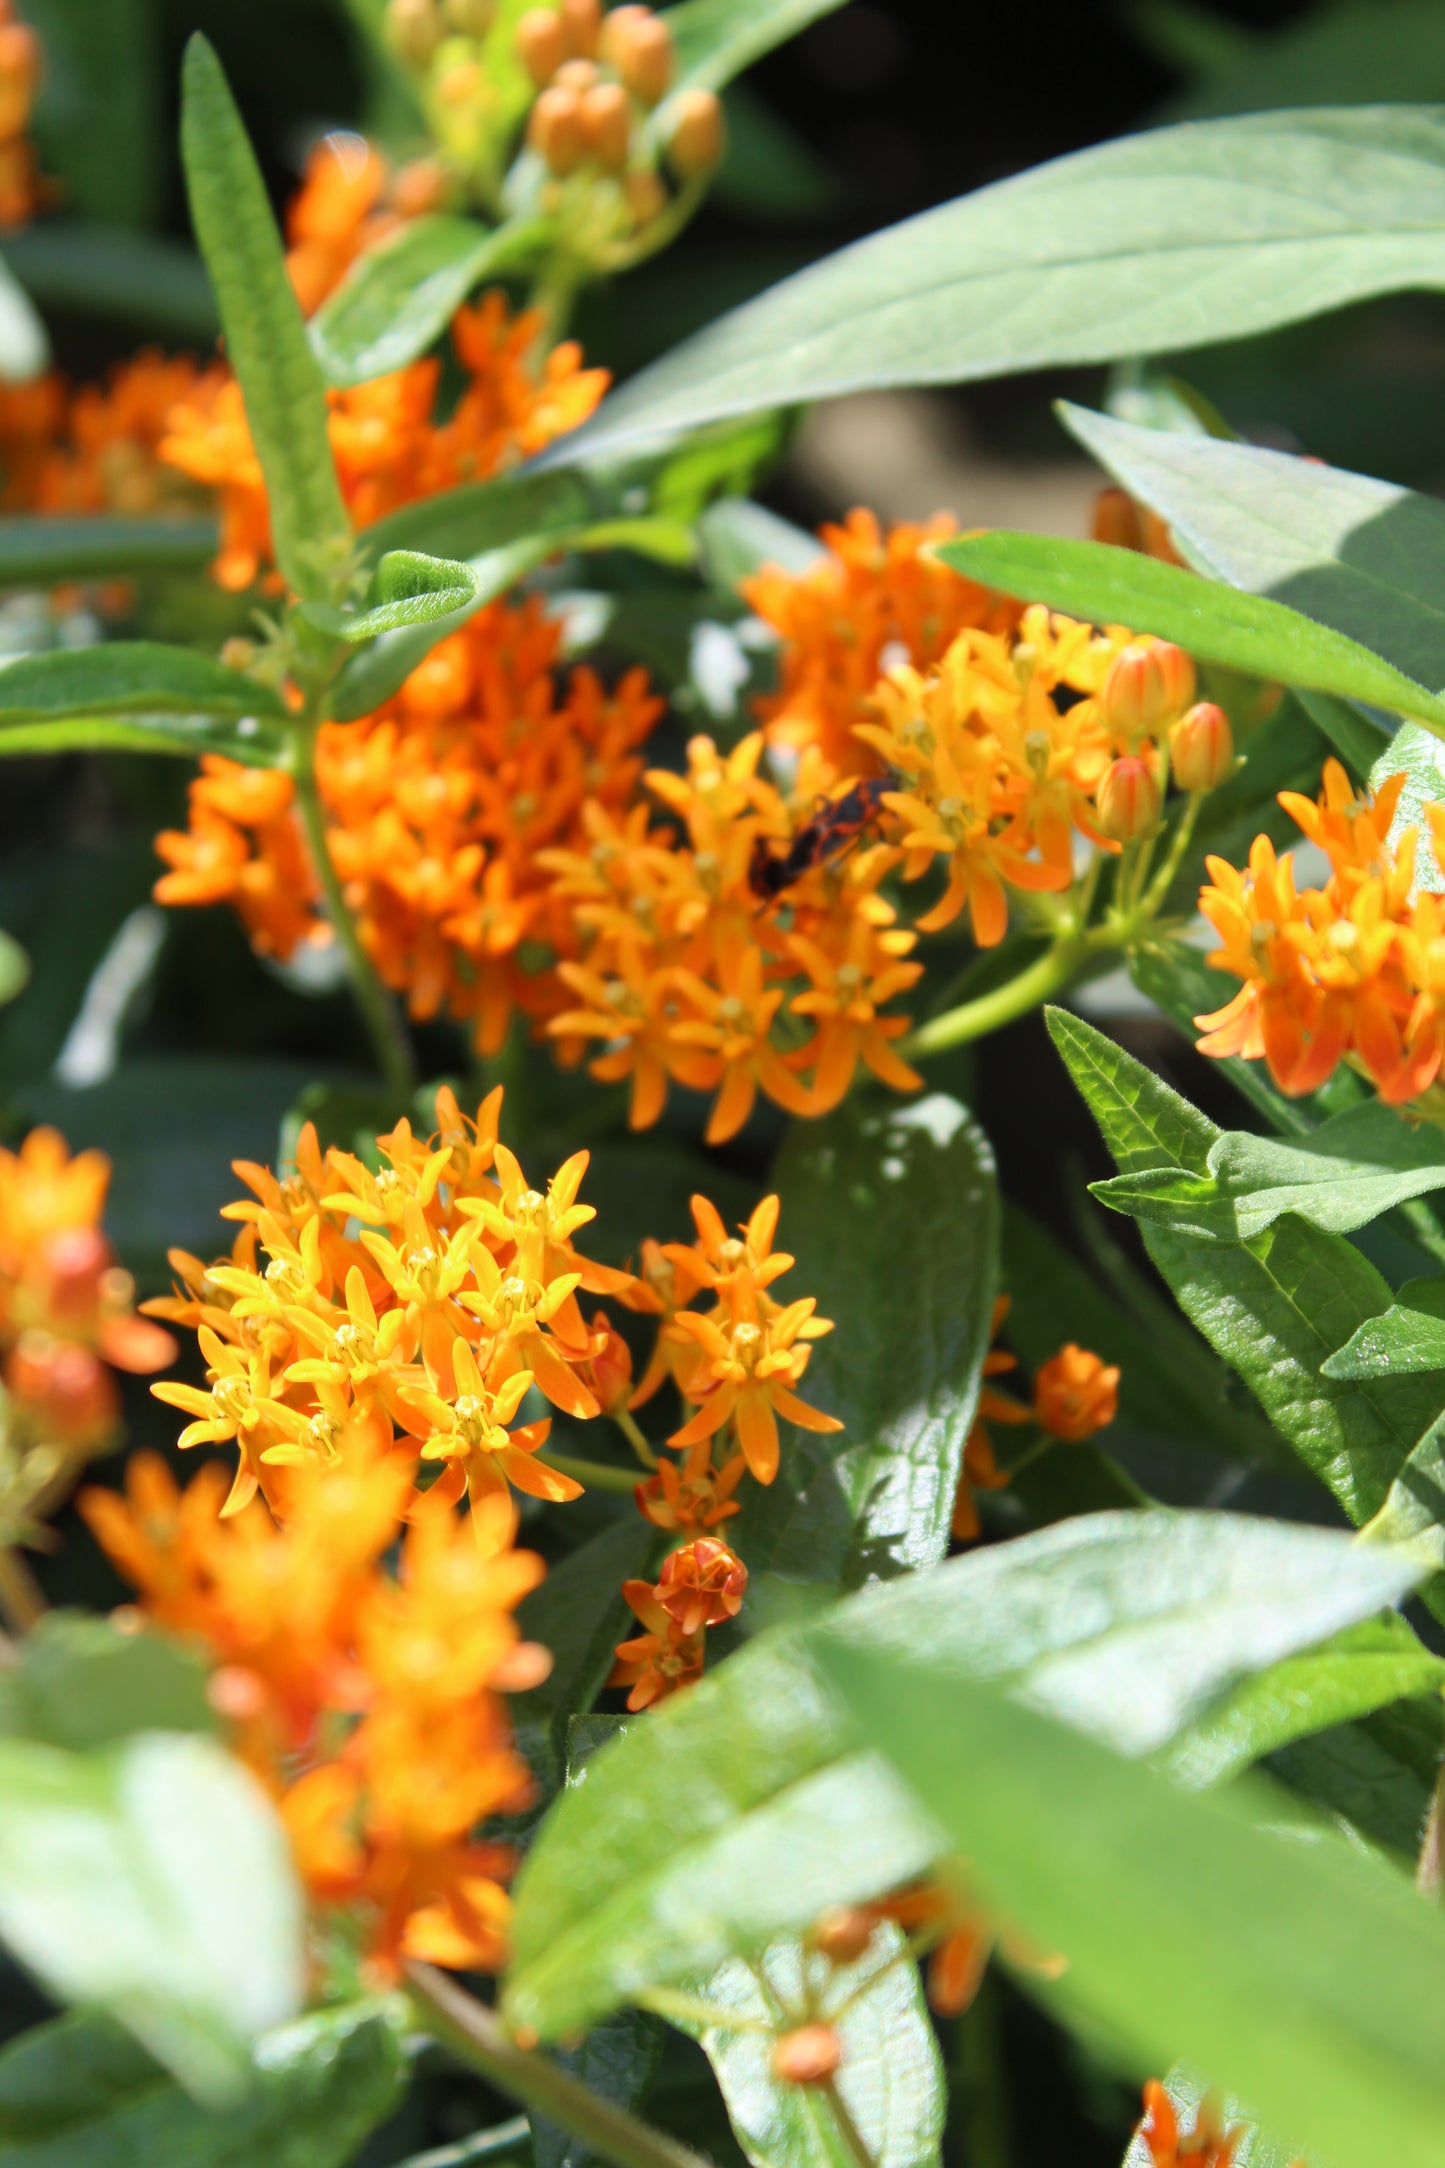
<point x="851" y="2135"/>
<point x="595" y="1472"/>
<point x="627" y="1424"/>
<point x="476" y="2035"/>
<point x="1179" y="844"/>
<point x="379" y="1012"/>
<point x="980" y="2065"/>
<point x="1059" y="964"/>
<point x="691" y="2010"/>
<point x="510" y="2137"/>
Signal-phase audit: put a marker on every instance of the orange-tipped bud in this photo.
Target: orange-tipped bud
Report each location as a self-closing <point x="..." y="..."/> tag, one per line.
<point x="555" y="130"/>
<point x="460" y="83"/>
<point x="646" y="196"/>
<point x="698" y="135"/>
<point x="702" y="1585"/>
<point x="809" y="2056"/>
<point x="1201" y="747"/>
<point x="1147" y="686"/>
<point x="1128" y="802"/>
<point x="609" y="1370"/>
<point x="63" y="1393"/>
<point x="472" y="18"/>
<point x="607" y="125"/>
<point x="639" y="46"/>
<point x="578" y="75"/>
<point x="541" y="44"/>
<point x="581" y="27"/>
<point x="1116" y="519"/>
<point x="843" y="1933"/>
<point x="1075" y="1394"/>
<point x="413" y="29"/>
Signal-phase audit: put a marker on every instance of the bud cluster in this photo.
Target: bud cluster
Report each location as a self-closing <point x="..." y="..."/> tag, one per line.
<point x="598" y="78"/>
<point x="1148" y="702"/>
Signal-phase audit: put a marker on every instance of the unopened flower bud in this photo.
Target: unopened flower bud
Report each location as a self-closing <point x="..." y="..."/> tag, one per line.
<point x="555" y="130"/>
<point x="473" y="18"/>
<point x="413" y="29"/>
<point x="702" y="1585"/>
<point x="74" y="1262"/>
<point x="1075" y="1394"/>
<point x="843" y="1933"/>
<point x="1201" y="747"/>
<point x="581" y="27"/>
<point x="609" y="1370"/>
<point x="64" y="1393"/>
<point x="639" y="46"/>
<point x="578" y="75"/>
<point x="238" y="653"/>
<point x="607" y="125"/>
<point x="237" y="1693"/>
<point x="808" y="2056"/>
<point x="698" y="136"/>
<point x="1116" y="519"/>
<point x="1147" y="686"/>
<point x="1128" y="802"/>
<point x="541" y="44"/>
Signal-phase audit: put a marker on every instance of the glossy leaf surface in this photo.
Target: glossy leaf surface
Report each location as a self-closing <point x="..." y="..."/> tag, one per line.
<point x="399" y="297"/>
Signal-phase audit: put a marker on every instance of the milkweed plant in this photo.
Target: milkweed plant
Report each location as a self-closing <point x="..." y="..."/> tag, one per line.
<point x="649" y="1616"/>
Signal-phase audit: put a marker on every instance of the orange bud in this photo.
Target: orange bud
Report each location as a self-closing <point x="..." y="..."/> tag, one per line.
<point x="1116" y="519"/>
<point x="809" y="2056"/>
<point x="420" y="186"/>
<point x="702" y="1584"/>
<point x="73" y="1263"/>
<point x="555" y="130"/>
<point x="1075" y="1394"/>
<point x="606" y="125"/>
<point x="1201" y="747"/>
<point x="65" y="1393"/>
<point x="843" y="1933"/>
<point x="578" y="75"/>
<point x="460" y="83"/>
<point x="1147" y="686"/>
<point x="413" y="29"/>
<point x="639" y="46"/>
<point x="541" y="44"/>
<point x="19" y="76"/>
<point x="698" y="135"/>
<point x="472" y="18"/>
<point x="1128" y="801"/>
<point x="581" y="27"/>
<point x="609" y="1369"/>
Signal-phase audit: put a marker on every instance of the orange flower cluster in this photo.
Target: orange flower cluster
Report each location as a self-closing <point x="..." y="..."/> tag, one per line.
<point x="96" y="449"/>
<point x="701" y="1585"/>
<point x="1075" y="1394"/>
<point x="366" y="1700"/>
<point x="937" y="1917"/>
<point x="351" y="198"/>
<point x="1353" y="971"/>
<point x="21" y="65"/>
<point x="388" y="446"/>
<point x="65" y="1304"/>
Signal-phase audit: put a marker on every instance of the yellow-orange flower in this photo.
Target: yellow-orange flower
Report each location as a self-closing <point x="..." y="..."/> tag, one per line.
<point x="1075" y="1394"/>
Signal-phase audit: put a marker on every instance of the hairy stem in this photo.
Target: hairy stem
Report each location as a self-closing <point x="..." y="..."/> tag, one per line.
<point x="379" y="1012"/>
<point x="476" y="2035"/>
<point x="1060" y="963"/>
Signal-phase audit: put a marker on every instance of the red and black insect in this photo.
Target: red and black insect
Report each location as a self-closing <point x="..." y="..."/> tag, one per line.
<point x="834" y="829"/>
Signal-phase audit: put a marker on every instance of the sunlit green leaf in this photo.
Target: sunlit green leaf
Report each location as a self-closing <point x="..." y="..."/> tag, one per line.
<point x="407" y="589"/>
<point x="717" y="39"/>
<point x="400" y="296"/>
<point x="127" y="677"/>
<point x="245" y="738"/>
<point x="1410" y="1335"/>
<point x="36" y="552"/>
<point x="14" y="968"/>
<point x="737" y="536"/>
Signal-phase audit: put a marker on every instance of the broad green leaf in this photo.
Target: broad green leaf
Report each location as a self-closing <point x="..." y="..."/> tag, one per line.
<point x="1273" y="1307"/>
<point x="1215" y="623"/>
<point x="1419" y="756"/>
<point x="1354" y="1673"/>
<point x="127" y="677"/>
<point x="14" y="969"/>
<point x="1374" y="1775"/>
<point x="1305" y="1978"/>
<point x="78" y="2092"/>
<point x="1414" y="1508"/>
<point x="111" y="1893"/>
<point x="36" y="552"/>
<point x="1352" y="1168"/>
<point x="893" y="1219"/>
<point x="1364" y="557"/>
<point x="244" y="737"/>
<point x="143" y="279"/>
<point x="1252" y="2147"/>
<point x="98" y="121"/>
<point x="280" y="380"/>
<point x="400" y="296"/>
<point x="1126" y="1622"/>
<point x="891" y="2080"/>
<point x="1177" y="238"/>
<point x="737" y="536"/>
<point x="1410" y="1335"/>
<point x="407" y="590"/>
<point x="717" y="39"/>
<point x="79" y="1683"/>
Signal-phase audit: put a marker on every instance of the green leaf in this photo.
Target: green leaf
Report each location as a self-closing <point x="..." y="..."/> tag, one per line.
<point x="578" y="1614"/>
<point x="98" y="121"/>
<point x="1189" y="1928"/>
<point x="1409" y="1336"/>
<point x="893" y="1219"/>
<point x="1215" y="623"/>
<point x="1177" y="238"/>
<point x="400" y="296"/>
<point x="1417" y="755"/>
<point x="717" y="39"/>
<point x="37" y="552"/>
<point x="185" y="737"/>
<point x="265" y="333"/>
<point x="79" y="1684"/>
<point x="1128" y="1622"/>
<point x="111" y="1893"/>
<point x="618" y="2061"/>
<point x="77" y="2092"/>
<point x="407" y="590"/>
<point x="737" y="536"/>
<point x="1366" y="558"/>
<point x="1273" y="1307"/>
<point x="1375" y="1775"/>
<point x="127" y="677"/>
<point x="14" y="969"/>
<point x="1354" y="1673"/>
<point x="1414" y="1508"/>
<point x="1352" y="1168"/>
<point x="891" y="2080"/>
<point x="144" y="279"/>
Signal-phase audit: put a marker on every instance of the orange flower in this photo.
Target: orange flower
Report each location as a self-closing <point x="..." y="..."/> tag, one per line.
<point x="702" y="1585"/>
<point x="693" y="1495"/>
<point x="1207" y="2145"/>
<point x="980" y="1471"/>
<point x="1075" y="1394"/>
<point x="751" y="1368"/>
<point x="334" y="215"/>
<point x="661" y="1661"/>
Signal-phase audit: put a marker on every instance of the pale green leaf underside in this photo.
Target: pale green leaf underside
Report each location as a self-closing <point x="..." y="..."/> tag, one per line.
<point x="399" y="297"/>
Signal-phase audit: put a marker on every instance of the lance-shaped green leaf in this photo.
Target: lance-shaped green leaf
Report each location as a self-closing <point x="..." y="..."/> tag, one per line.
<point x="399" y="297"/>
<point x="893" y="1219"/>
<point x="1410" y="1335"/>
<point x="1215" y="623"/>
<point x="1355" y="1166"/>
<point x="714" y="40"/>
<point x="1126" y="1622"/>
<point x="126" y="677"/>
<point x="1304" y="1977"/>
<point x="280" y="379"/>
<point x="78" y="2092"/>
<point x="737" y="536"/>
<point x="1414" y="1508"/>
<point x="143" y="279"/>
<point x="35" y="552"/>
<point x="244" y="738"/>
<point x="1274" y="1307"/>
<point x="407" y="589"/>
<point x="891" y="2080"/>
<point x="1363" y="556"/>
<point x="109" y="1893"/>
<point x="14" y="968"/>
<point x="1163" y="241"/>
<point x="1376" y="1774"/>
